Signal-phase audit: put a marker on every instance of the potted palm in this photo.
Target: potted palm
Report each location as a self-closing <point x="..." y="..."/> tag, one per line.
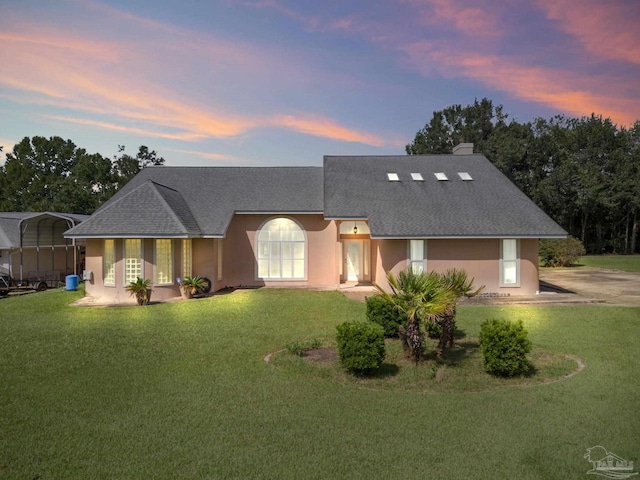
<point x="191" y="286"/>
<point x="141" y="288"/>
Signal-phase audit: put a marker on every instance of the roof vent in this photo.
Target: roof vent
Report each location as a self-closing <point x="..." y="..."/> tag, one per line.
<point x="441" y="176"/>
<point x="417" y="177"/>
<point x="465" y="176"/>
<point x="393" y="177"/>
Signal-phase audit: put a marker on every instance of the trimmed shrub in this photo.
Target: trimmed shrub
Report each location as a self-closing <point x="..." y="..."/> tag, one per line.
<point x="385" y="314"/>
<point x="504" y="347"/>
<point x="560" y="252"/>
<point x="299" y="348"/>
<point x="433" y="329"/>
<point x="360" y="346"/>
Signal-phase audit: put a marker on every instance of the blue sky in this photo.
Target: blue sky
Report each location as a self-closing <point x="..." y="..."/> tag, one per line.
<point x="277" y="82"/>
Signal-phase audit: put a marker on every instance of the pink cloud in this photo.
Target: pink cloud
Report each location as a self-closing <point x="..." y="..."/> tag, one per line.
<point x="474" y="20"/>
<point x="115" y="80"/>
<point x="562" y="89"/>
<point x="610" y="30"/>
<point x="217" y="157"/>
<point x="326" y="128"/>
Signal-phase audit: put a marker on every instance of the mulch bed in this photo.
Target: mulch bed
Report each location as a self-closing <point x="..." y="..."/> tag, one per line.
<point x="321" y="355"/>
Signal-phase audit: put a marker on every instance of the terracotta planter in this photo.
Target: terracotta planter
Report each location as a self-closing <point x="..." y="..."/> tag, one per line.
<point x="143" y="297"/>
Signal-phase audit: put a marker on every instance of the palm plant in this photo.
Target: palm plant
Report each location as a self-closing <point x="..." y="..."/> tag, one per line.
<point x="458" y="284"/>
<point x="419" y="296"/>
<point x="193" y="285"/>
<point x="141" y="288"/>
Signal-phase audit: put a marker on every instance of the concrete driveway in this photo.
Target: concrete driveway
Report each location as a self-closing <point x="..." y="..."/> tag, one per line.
<point x="613" y="287"/>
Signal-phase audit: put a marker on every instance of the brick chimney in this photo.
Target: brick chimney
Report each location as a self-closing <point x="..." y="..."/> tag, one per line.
<point x="463" y="149"/>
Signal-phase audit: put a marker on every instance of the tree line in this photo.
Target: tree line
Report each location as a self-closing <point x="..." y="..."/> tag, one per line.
<point x="53" y="174"/>
<point x="583" y="172"/>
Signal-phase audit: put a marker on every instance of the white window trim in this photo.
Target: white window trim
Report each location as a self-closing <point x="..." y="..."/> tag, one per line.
<point x="502" y="264"/>
<point x="304" y="278"/>
<point x="155" y="262"/>
<point x="104" y="263"/>
<point x="124" y="258"/>
<point x="411" y="261"/>
<point x="187" y="258"/>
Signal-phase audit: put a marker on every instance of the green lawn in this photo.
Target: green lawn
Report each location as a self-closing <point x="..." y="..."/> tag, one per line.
<point x="628" y="263"/>
<point x="182" y="391"/>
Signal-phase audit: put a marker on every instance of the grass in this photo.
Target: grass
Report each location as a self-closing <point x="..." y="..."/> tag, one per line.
<point x="182" y="391"/>
<point x="627" y="263"/>
<point x="459" y="371"/>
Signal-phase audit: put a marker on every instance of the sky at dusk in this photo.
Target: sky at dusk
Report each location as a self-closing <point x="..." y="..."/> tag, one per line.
<point x="284" y="82"/>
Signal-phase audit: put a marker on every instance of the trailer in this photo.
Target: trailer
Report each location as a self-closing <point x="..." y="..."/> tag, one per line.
<point x="35" y="282"/>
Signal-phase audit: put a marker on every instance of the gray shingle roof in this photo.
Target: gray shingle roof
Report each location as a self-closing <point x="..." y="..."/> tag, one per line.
<point x="487" y="206"/>
<point x="210" y="195"/>
<point x="201" y="201"/>
<point x="147" y="210"/>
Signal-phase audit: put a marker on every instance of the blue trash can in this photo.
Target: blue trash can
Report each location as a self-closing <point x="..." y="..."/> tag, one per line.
<point x="72" y="282"/>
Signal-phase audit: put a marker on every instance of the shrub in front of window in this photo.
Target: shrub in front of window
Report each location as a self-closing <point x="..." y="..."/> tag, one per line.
<point x="504" y="347"/>
<point x="385" y="314"/>
<point x="560" y="252"/>
<point x="360" y="346"/>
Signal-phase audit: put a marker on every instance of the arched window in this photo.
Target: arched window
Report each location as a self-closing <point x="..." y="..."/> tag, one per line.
<point x="281" y="250"/>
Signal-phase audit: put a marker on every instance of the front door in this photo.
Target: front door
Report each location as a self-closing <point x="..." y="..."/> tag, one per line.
<point x="356" y="260"/>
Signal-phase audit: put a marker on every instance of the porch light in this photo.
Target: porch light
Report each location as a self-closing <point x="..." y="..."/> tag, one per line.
<point x="355" y="229"/>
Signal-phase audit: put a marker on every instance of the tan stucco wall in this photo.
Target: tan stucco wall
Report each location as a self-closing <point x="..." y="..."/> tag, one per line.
<point x="239" y="246"/>
<point x="238" y="257"/>
<point x="118" y="293"/>
<point x="478" y="257"/>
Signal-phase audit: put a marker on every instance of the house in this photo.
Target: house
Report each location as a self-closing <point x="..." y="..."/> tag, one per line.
<point x="32" y="245"/>
<point x="349" y="221"/>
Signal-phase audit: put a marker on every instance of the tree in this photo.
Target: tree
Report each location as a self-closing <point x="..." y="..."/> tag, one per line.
<point x="420" y="297"/>
<point x="457" y="283"/>
<point x="53" y="174"/>
<point x="456" y="124"/>
<point x="583" y="172"/>
<point x="126" y="167"/>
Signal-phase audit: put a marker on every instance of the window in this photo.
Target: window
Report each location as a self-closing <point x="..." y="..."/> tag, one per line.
<point x="109" y="268"/>
<point x="219" y="259"/>
<point x="465" y="176"/>
<point x="281" y="250"/>
<point x="417" y="255"/>
<point x="393" y="177"/>
<point x="164" y="261"/>
<point x="417" y="177"/>
<point x="509" y="263"/>
<point x="187" y="262"/>
<point x="441" y="176"/>
<point x="132" y="260"/>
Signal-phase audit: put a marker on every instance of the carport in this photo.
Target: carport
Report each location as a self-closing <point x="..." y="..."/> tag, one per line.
<point x="32" y="246"/>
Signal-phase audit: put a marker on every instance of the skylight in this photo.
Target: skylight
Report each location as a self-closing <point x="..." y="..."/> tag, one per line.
<point x="393" y="177"/>
<point x="417" y="177"/>
<point x="441" y="176"/>
<point x="465" y="176"/>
